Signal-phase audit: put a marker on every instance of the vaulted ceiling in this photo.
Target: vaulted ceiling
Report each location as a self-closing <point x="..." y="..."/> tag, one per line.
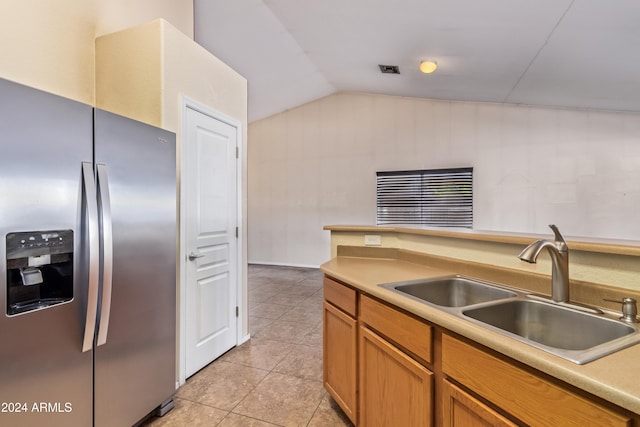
<point x="564" y="53"/>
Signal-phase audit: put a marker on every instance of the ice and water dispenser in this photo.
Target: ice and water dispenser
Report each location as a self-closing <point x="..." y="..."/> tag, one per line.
<point x="39" y="269"/>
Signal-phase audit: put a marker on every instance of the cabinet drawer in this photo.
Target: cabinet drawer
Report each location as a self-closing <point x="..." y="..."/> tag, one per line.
<point x="408" y="332"/>
<point x="340" y="295"/>
<point x="528" y="397"/>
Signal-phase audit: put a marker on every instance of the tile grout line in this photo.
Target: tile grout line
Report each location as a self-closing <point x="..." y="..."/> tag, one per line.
<point x="247" y="416"/>
<point x="316" y="410"/>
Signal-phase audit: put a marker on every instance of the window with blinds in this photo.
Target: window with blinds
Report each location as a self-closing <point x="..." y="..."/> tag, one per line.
<point x="433" y="198"/>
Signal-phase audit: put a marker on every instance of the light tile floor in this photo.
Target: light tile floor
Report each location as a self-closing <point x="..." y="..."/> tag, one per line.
<point x="275" y="379"/>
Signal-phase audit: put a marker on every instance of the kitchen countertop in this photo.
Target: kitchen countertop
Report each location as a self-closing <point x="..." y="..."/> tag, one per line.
<point x="611" y="377"/>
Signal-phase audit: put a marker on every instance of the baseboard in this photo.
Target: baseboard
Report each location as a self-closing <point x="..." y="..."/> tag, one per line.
<point x="282" y="264"/>
<point x="244" y="339"/>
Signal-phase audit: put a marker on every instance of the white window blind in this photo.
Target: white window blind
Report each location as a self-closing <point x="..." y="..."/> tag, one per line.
<point x="434" y="198"/>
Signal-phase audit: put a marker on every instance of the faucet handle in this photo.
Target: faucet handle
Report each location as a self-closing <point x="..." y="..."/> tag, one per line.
<point x="629" y="309"/>
<point x="560" y="243"/>
<point x="555" y="230"/>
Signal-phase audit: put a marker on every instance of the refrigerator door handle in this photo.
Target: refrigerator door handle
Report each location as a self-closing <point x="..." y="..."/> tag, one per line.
<point x="104" y="203"/>
<point x="94" y="257"/>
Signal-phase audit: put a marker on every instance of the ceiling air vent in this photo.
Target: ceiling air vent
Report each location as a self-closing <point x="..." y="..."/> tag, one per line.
<point x="389" y="69"/>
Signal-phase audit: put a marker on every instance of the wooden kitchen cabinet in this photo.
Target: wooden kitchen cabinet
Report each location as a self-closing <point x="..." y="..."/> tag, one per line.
<point x="376" y="372"/>
<point x="395" y="390"/>
<point x="521" y="392"/>
<point x="340" y="342"/>
<point x="461" y="409"/>
<point x="395" y="386"/>
<point x="387" y="367"/>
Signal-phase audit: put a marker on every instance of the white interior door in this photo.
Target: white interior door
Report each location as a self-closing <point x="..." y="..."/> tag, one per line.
<point x="211" y="255"/>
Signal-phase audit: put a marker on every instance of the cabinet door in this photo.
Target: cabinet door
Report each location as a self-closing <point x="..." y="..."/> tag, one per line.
<point x="395" y="390"/>
<point x="340" y="358"/>
<point x="460" y="409"/>
<point x="522" y="393"/>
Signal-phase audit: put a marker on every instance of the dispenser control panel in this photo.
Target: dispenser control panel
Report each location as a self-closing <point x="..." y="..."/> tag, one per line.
<point x="33" y="243"/>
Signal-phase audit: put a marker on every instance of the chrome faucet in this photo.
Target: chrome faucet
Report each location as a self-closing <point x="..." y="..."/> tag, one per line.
<point x="559" y="257"/>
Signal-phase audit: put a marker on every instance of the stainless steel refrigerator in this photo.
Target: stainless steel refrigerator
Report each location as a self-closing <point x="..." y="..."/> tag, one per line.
<point x="88" y="263"/>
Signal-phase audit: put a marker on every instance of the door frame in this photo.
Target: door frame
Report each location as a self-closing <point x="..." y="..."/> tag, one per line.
<point x="187" y="103"/>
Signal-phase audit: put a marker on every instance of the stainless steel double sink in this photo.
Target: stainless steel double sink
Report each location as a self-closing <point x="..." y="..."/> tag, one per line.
<point x="565" y="331"/>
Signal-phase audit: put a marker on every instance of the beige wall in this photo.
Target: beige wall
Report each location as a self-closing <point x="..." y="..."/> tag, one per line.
<point x="129" y="70"/>
<point x="49" y="45"/>
<point x="316" y="165"/>
<point x="192" y="71"/>
<point x="143" y="72"/>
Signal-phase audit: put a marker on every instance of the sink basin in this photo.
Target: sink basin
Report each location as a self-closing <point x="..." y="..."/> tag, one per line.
<point x="571" y="334"/>
<point x="451" y="291"/>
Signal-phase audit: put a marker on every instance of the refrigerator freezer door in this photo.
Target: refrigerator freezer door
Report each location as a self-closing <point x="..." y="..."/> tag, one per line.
<point x="135" y="367"/>
<point x="45" y="378"/>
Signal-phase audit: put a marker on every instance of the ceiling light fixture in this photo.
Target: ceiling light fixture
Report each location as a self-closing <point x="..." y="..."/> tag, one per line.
<point x="428" y="67"/>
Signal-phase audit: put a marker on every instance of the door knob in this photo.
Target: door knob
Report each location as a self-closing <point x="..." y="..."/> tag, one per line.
<point x="193" y="256"/>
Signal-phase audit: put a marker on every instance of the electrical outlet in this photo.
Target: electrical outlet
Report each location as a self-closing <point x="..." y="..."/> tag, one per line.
<point x="372" y="240"/>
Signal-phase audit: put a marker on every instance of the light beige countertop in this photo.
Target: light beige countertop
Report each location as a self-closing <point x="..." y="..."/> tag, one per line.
<point x="613" y="378"/>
